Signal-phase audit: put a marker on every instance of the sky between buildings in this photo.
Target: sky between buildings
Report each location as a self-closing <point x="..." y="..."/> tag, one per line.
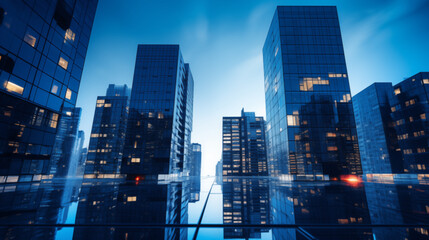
<point x="384" y="41"/>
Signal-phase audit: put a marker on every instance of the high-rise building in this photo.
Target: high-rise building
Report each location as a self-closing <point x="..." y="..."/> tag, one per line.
<point x="378" y="143"/>
<point x="64" y="154"/>
<point x="393" y="127"/>
<point x="42" y="52"/>
<point x="244" y="151"/>
<point x="158" y="138"/>
<point x="311" y="130"/>
<point x="410" y="113"/>
<point x="107" y="140"/>
<point x="195" y="173"/>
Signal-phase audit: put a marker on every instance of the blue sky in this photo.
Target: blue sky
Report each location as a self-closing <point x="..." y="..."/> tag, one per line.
<point x="384" y="41"/>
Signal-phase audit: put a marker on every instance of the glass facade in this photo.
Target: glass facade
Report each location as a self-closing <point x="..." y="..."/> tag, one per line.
<point x="393" y="127"/>
<point x="311" y="130"/>
<point x="195" y="172"/>
<point x="65" y="153"/>
<point x="244" y="151"/>
<point x="107" y="138"/>
<point x="378" y="142"/>
<point x="158" y="137"/>
<point x="410" y="112"/>
<point x="43" y="46"/>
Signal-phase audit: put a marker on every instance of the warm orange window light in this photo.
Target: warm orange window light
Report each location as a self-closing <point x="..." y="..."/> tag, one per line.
<point x="63" y="63"/>
<point x="12" y="87"/>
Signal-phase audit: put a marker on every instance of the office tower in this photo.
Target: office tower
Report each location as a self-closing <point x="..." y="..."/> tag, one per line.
<point x="378" y="143"/>
<point x="311" y="131"/>
<point x="392" y="126"/>
<point x="158" y="137"/>
<point x="244" y="152"/>
<point x="77" y="166"/>
<point x="195" y="173"/>
<point x="106" y="144"/>
<point x="42" y="52"/>
<point x="410" y="113"/>
<point x="64" y="151"/>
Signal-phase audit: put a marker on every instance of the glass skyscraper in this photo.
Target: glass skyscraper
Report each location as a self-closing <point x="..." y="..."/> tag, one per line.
<point x="195" y="172"/>
<point x="107" y="138"/>
<point x="66" y="140"/>
<point x="393" y="127"/>
<point x="410" y="113"/>
<point x="43" y="46"/>
<point x="311" y="131"/>
<point x="378" y="143"/>
<point x="158" y="137"/>
<point x="244" y="151"/>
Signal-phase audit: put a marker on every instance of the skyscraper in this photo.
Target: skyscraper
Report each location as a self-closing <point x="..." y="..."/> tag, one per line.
<point x="42" y="52"/>
<point x="244" y="151"/>
<point x="410" y="113"/>
<point x="158" y="137"/>
<point x="195" y="173"/>
<point x="311" y="131"/>
<point x="107" y="140"/>
<point x="378" y="142"/>
<point x="64" y="153"/>
<point x="392" y="126"/>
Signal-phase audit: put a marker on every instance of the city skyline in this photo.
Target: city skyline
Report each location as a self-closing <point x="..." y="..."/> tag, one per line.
<point x="232" y="38"/>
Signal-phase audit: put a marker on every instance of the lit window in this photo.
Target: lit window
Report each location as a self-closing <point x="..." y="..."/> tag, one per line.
<point x="329" y="134"/>
<point x="31" y="40"/>
<point x="397" y="91"/>
<point x="107" y="105"/>
<point x="135" y="160"/>
<point x="131" y="198"/>
<point x="68" y="94"/>
<point x="63" y="63"/>
<point x="12" y="87"/>
<point x="292" y="120"/>
<point x="425" y="81"/>
<point x="423" y="116"/>
<point x="54" y="120"/>
<point x="54" y="89"/>
<point x="332" y="148"/>
<point x="70" y="35"/>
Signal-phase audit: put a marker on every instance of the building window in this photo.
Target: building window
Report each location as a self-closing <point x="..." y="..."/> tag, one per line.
<point x="54" y="120"/>
<point x="30" y="39"/>
<point x="6" y="63"/>
<point x="131" y="198"/>
<point x="63" y="63"/>
<point x="70" y="35"/>
<point x="397" y="91"/>
<point x="292" y="120"/>
<point x="12" y="87"/>
<point x="135" y="160"/>
<point x="425" y="81"/>
<point x="68" y="94"/>
<point x="54" y="89"/>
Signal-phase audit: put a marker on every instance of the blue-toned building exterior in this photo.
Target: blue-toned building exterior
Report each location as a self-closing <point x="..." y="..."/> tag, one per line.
<point x="311" y="131"/>
<point x="393" y="127"/>
<point x="43" y="45"/>
<point x="410" y="113"/>
<point x="106" y="144"/>
<point x="378" y="143"/>
<point x="158" y="137"/>
<point x="244" y="151"/>
<point x="66" y="140"/>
